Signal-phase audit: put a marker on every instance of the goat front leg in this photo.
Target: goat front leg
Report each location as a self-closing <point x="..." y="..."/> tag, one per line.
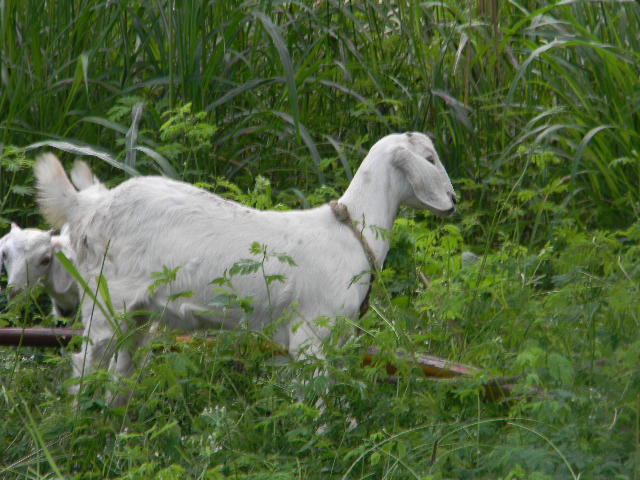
<point x="305" y="340"/>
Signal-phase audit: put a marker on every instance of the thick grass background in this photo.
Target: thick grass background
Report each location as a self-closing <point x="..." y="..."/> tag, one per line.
<point x="535" y="110"/>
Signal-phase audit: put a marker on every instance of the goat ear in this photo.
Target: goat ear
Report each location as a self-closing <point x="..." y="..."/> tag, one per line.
<point x="56" y="245"/>
<point x="15" y="227"/>
<point x="409" y="164"/>
<point x="60" y="278"/>
<point x="430" y="184"/>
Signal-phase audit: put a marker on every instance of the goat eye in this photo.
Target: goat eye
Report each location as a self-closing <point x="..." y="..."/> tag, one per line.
<point x="431" y="159"/>
<point x="45" y="261"/>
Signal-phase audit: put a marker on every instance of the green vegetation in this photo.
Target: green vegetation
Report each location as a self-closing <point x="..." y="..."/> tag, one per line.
<point x="535" y="108"/>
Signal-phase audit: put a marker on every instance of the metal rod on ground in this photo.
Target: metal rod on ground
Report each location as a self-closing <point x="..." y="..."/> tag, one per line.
<point x="432" y="366"/>
<point x="38" y="337"/>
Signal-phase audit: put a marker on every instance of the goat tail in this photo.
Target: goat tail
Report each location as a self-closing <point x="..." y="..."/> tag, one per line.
<point x="57" y="196"/>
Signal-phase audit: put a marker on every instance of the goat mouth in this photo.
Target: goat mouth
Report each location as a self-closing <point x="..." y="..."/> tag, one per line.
<point x="443" y="212"/>
<point x="448" y="213"/>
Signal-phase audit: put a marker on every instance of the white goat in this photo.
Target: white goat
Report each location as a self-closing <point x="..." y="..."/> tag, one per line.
<point x="148" y="223"/>
<point x="28" y="255"/>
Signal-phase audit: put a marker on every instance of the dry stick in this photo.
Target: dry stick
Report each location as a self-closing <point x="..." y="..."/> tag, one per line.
<point x="423" y="278"/>
<point x="432" y="367"/>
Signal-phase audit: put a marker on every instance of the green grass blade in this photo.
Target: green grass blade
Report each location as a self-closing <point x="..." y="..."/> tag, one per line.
<point x="287" y="63"/>
<point x="82" y="149"/>
<point x="131" y="138"/>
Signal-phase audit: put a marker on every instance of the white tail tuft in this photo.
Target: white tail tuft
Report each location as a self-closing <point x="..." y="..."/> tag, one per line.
<point x="56" y="195"/>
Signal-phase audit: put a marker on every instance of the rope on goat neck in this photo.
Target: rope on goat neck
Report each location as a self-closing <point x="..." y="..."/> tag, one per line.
<point x="341" y="212"/>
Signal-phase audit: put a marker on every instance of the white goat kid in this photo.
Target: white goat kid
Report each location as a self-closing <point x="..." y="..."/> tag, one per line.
<point x="148" y="223"/>
<point x="28" y="255"/>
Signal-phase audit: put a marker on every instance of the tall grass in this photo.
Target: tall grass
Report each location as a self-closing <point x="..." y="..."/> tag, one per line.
<point x="291" y="85"/>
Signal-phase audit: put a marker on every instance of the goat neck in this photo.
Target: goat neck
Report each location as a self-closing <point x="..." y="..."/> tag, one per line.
<point x="373" y="198"/>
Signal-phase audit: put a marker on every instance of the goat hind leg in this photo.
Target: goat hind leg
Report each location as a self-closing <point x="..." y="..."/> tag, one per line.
<point x="97" y="348"/>
<point x="122" y="363"/>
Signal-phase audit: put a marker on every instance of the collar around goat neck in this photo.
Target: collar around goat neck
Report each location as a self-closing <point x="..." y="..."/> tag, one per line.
<point x="341" y="212"/>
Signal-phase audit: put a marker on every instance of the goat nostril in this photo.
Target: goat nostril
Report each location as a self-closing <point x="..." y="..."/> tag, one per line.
<point x="454" y="200"/>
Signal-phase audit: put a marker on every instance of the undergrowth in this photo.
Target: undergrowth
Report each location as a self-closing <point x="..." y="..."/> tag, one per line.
<point x="562" y="334"/>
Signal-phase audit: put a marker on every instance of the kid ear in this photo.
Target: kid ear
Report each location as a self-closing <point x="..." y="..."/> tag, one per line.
<point x="60" y="277"/>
